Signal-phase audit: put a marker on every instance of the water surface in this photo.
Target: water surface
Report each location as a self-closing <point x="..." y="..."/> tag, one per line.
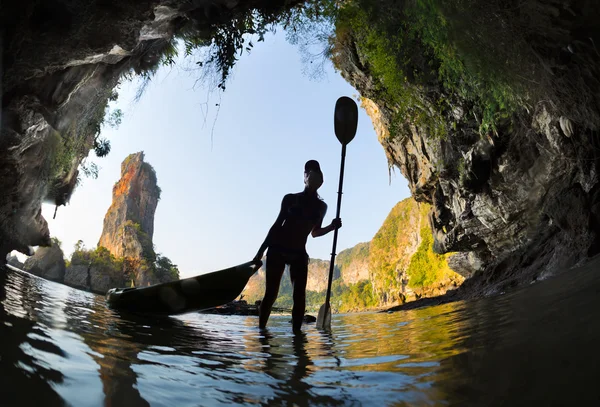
<point x="534" y="346"/>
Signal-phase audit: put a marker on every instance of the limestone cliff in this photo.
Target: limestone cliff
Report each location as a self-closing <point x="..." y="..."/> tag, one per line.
<point x="129" y="221"/>
<point x="318" y="275"/>
<point x="353" y="263"/>
<point x="97" y="271"/>
<point x="500" y="139"/>
<point x="125" y="253"/>
<point x="402" y="264"/>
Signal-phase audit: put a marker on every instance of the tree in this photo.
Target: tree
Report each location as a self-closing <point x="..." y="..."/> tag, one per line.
<point x="165" y="270"/>
<point x="56" y="241"/>
<point x="79" y="246"/>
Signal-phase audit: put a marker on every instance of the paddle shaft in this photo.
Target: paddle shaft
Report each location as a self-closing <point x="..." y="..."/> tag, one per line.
<point x="335" y="232"/>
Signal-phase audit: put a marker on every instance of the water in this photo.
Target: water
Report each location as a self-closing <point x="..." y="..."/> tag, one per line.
<point x="534" y="346"/>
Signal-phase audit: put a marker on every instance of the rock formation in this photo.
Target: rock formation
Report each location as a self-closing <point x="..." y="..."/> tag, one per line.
<point x="96" y="271"/>
<point x="519" y="199"/>
<point x="14" y="261"/>
<point x="47" y="262"/>
<point x="354" y="263"/>
<point x="60" y="63"/>
<point x="129" y="222"/>
<point x="318" y="275"/>
<point x="125" y="255"/>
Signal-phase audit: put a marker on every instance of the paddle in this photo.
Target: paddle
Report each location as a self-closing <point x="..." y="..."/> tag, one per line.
<point x="345" y="120"/>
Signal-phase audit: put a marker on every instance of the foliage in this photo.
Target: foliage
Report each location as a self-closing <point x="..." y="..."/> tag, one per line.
<point x="101" y="147"/>
<point x="56" y="241"/>
<point x="393" y="58"/>
<point x="100" y="258"/>
<point x="491" y="58"/>
<point x="426" y="267"/>
<point x="218" y="35"/>
<point x="63" y="154"/>
<point x="387" y="252"/>
<point x="353" y="297"/>
<point x="124" y="269"/>
<point x="391" y="254"/>
<point x="309" y="27"/>
<point x="148" y="252"/>
<point x="100" y="116"/>
<point x="110" y="118"/>
<point x="79" y="246"/>
<point x="90" y="170"/>
<point x="164" y="269"/>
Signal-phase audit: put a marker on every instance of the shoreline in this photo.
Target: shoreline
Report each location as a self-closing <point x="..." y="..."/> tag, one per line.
<point x="480" y="286"/>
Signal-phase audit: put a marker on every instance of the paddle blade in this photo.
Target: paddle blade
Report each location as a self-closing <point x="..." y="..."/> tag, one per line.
<point x="324" y="317"/>
<point x="345" y="119"/>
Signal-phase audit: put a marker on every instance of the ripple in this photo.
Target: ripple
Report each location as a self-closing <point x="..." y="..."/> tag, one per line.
<point x="65" y="345"/>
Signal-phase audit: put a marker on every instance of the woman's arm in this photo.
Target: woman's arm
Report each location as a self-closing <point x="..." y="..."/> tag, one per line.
<point x="276" y="225"/>
<point x="318" y="230"/>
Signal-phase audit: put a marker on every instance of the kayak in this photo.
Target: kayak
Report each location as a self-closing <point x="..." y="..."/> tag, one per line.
<point x="191" y="294"/>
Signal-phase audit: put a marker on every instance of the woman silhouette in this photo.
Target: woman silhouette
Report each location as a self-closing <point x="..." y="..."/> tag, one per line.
<point x="301" y="214"/>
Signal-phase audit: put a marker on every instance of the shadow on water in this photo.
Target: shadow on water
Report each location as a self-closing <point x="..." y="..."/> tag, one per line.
<point x="125" y="344"/>
<point x="291" y="366"/>
<point x="537" y="344"/>
<point x="21" y="339"/>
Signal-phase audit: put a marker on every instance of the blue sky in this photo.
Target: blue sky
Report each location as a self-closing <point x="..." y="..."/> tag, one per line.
<point x="220" y="196"/>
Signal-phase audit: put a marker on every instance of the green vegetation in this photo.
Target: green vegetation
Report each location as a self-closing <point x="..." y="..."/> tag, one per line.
<point x="124" y="270"/>
<point x="398" y="261"/>
<point x="490" y="59"/>
<point x="148" y="252"/>
<point x="100" y="258"/>
<point x="56" y="241"/>
<point x="64" y="151"/>
<point x="353" y="297"/>
<point x="164" y="269"/>
<point x="390" y="253"/>
<point x="410" y="47"/>
<point x="101" y="116"/>
<point x="426" y="267"/>
<point x="387" y="255"/>
<point x="344" y="298"/>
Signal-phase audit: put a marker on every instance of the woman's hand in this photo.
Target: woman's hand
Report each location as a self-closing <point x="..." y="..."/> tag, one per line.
<point x="336" y="223"/>
<point x="258" y="256"/>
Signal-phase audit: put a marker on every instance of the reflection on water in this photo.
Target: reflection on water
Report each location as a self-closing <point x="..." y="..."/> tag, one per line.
<point x="61" y="346"/>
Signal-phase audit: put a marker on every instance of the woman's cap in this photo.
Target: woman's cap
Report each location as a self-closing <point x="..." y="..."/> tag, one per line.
<point x="312" y="165"/>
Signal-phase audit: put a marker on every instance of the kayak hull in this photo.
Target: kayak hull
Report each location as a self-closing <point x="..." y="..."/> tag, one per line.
<point x="187" y="295"/>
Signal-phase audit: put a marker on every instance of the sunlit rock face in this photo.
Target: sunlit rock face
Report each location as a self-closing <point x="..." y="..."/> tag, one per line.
<point x="354" y="263"/>
<point x="129" y="222"/>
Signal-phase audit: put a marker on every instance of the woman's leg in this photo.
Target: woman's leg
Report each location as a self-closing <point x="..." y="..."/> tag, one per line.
<point x="299" y="275"/>
<point x="275" y="267"/>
